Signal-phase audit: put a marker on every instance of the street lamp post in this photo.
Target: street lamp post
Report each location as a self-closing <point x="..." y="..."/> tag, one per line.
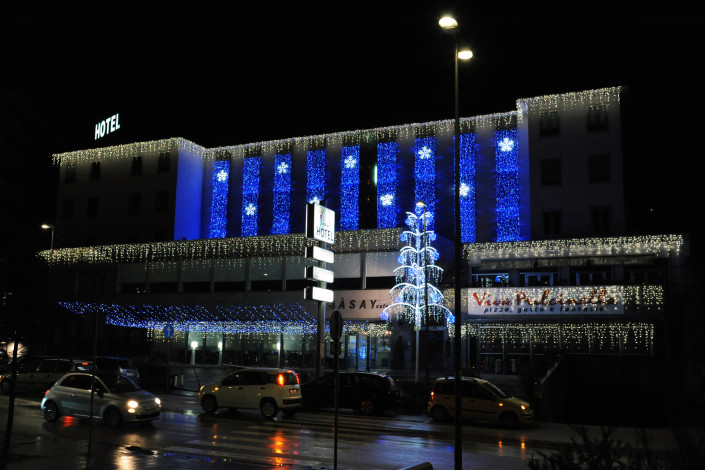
<point x="450" y="25"/>
<point x="48" y="227"/>
<point x="425" y="285"/>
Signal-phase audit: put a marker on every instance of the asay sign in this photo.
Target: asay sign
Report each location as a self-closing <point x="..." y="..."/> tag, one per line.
<point x="107" y="126"/>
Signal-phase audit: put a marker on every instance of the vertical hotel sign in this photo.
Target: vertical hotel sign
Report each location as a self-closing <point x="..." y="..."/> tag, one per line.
<point x="320" y="226"/>
<point x="320" y="223"/>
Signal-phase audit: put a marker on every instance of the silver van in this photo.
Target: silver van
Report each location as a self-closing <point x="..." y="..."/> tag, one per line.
<point x="39" y="374"/>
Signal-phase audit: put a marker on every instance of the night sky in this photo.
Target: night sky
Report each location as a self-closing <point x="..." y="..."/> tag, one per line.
<point x="228" y="76"/>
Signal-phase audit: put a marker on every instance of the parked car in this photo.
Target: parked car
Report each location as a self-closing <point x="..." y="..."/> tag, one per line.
<point x="365" y="392"/>
<point x="116" y="399"/>
<point x="266" y="389"/>
<point x="481" y="400"/>
<point x="118" y="365"/>
<point x="37" y="374"/>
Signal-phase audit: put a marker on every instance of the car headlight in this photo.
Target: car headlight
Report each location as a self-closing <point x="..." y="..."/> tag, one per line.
<point x="157" y="401"/>
<point x="132" y="404"/>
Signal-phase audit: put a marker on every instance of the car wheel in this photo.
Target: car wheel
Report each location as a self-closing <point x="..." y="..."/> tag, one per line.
<point x="268" y="408"/>
<point x="209" y="404"/>
<point x="51" y="411"/>
<point x="112" y="418"/>
<point x="508" y="420"/>
<point x="366" y="407"/>
<point x="439" y="414"/>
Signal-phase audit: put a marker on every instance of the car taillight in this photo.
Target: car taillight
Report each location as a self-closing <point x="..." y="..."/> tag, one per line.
<point x="432" y="393"/>
<point x="280" y="379"/>
<point x="297" y="378"/>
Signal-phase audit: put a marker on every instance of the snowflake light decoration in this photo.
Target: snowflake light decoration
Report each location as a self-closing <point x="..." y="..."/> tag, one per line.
<point x="506" y="145"/>
<point x="424" y="153"/>
<point x="387" y="199"/>
<point x="250" y="209"/>
<point x="350" y="162"/>
<point x="283" y="168"/>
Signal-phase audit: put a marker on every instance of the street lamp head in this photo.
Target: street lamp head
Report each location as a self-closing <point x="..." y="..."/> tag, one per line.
<point x="448" y="23"/>
<point x="464" y="54"/>
<point x="421" y="204"/>
<point x="47" y="226"/>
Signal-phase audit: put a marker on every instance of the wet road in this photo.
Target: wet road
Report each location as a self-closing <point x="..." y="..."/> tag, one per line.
<point x="186" y="438"/>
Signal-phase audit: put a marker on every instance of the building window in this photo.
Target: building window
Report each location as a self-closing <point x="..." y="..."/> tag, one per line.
<point x="601" y="220"/>
<point x="599" y="168"/>
<point x="95" y="171"/>
<point x="164" y="162"/>
<point x="552" y="223"/>
<point x="92" y="207"/>
<point x="162" y="201"/>
<point x="67" y="209"/>
<point x="133" y="203"/>
<point x="70" y="175"/>
<point x="550" y="125"/>
<point x="136" y="166"/>
<point x="597" y="118"/>
<point x="550" y="172"/>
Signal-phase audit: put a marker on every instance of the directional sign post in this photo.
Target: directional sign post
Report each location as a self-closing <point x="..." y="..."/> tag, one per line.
<point x="168" y="333"/>
<point x="320" y="228"/>
<point x="336" y="332"/>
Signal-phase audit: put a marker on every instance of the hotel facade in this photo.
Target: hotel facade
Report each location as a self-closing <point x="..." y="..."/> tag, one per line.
<point x="209" y="243"/>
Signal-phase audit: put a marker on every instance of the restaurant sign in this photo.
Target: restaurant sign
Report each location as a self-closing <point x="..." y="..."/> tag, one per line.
<point x="546" y="300"/>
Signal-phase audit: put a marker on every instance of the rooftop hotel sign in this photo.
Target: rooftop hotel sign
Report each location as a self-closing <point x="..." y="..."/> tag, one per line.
<point x="106" y="126"/>
<point x="546" y="300"/>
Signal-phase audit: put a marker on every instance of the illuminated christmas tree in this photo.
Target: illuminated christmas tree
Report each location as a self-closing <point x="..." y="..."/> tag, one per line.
<point x="415" y="296"/>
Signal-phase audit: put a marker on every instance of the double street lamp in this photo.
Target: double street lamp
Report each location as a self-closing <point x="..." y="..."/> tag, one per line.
<point x="450" y="25"/>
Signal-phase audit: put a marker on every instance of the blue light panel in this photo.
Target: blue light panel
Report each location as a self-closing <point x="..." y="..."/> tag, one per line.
<point x="316" y="176"/>
<point x="250" y="196"/>
<point x="281" y="203"/>
<point x="468" y="225"/>
<point x="219" y="200"/>
<point x="350" y="188"/>
<point x="387" y="184"/>
<point x="507" y="185"/>
<point x="425" y="174"/>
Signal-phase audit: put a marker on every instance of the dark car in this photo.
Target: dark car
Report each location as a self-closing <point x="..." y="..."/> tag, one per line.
<point x="38" y="373"/>
<point x="365" y="392"/>
<point x="118" y="365"/>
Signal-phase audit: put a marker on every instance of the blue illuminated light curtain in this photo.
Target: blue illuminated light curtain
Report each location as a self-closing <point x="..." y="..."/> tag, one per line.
<point x="387" y="184"/>
<point x="350" y="188"/>
<point x="281" y="203"/>
<point x="507" y="185"/>
<point x="219" y="200"/>
<point x="250" y="196"/>
<point x="425" y="174"/>
<point x="468" y="224"/>
<point x="316" y="176"/>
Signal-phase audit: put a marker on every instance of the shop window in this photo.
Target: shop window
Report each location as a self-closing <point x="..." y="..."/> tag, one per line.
<point x="597" y="118"/>
<point x="161" y="205"/>
<point x="95" y="171"/>
<point x="552" y="223"/>
<point x="164" y="162"/>
<point x="70" y="174"/>
<point x="599" y="168"/>
<point x="550" y="172"/>
<point x="92" y="207"/>
<point x="134" y="203"/>
<point x="601" y="220"/>
<point x="67" y="209"/>
<point x="549" y="124"/>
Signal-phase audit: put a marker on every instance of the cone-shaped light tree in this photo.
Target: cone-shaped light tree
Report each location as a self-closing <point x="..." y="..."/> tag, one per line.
<point x="415" y="298"/>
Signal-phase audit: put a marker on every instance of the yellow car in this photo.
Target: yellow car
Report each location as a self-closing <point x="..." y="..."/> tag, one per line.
<point x="481" y="401"/>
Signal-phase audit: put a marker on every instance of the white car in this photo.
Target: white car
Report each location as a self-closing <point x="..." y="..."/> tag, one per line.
<point x="266" y="389"/>
<point x="116" y="399"/>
